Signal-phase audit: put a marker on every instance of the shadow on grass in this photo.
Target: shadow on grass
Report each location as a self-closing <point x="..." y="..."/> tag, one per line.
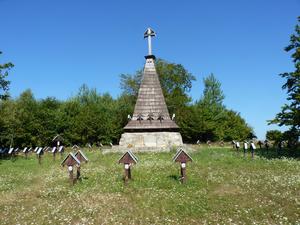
<point x="81" y="179"/>
<point x="174" y="177"/>
<point x="272" y="153"/>
<point x="9" y="158"/>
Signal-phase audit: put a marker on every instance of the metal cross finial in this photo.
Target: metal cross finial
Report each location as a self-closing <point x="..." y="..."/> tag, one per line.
<point x="148" y="34"/>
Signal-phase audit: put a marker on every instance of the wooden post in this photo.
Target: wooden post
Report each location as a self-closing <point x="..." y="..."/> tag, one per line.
<point x="128" y="159"/>
<point x="245" y="147"/>
<point x="127" y="173"/>
<point x="252" y="153"/>
<point x="182" y="157"/>
<point x="237" y="145"/>
<point x="183" y="173"/>
<point x="70" y="168"/>
<point x="78" y="172"/>
<point x="70" y="161"/>
<point x="12" y="155"/>
<point x="280" y="146"/>
<point x="82" y="158"/>
<point x="39" y="154"/>
<point x="252" y="147"/>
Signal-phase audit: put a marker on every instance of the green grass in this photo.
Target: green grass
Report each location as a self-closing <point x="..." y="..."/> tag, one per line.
<point x="222" y="187"/>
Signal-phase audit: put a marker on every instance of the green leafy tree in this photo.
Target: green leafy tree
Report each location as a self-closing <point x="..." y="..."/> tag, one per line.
<point x="91" y="118"/>
<point x="4" y="84"/>
<point x="19" y="121"/>
<point x="290" y="113"/>
<point x="274" y="135"/>
<point x="125" y="105"/>
<point x="213" y="95"/>
<point x="176" y="83"/>
<point x="8" y="122"/>
<point x="211" y="120"/>
<point x="291" y="136"/>
<point x="175" y="80"/>
<point x="27" y="121"/>
<point x="130" y="83"/>
<point x="210" y="107"/>
<point x="69" y="111"/>
<point x="47" y="117"/>
<point x="235" y="127"/>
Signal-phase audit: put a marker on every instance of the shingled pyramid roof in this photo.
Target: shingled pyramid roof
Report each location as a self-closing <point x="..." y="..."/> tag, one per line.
<point x="151" y="112"/>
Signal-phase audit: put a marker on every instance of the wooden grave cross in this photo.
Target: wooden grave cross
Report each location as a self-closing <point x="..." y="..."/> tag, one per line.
<point x="56" y="142"/>
<point x="29" y="150"/>
<point x="25" y="151"/>
<point x="252" y="147"/>
<point x="54" y="150"/>
<point x="39" y="154"/>
<point x="11" y="152"/>
<point x="75" y="147"/>
<point x="128" y="159"/>
<point x="70" y="161"/>
<point x="182" y="157"/>
<point x="61" y="150"/>
<point x="82" y="158"/>
<point x="245" y="147"/>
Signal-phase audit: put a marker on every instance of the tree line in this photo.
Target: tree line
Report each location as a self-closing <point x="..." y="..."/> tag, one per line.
<point x="91" y="117"/>
<point x="290" y="112"/>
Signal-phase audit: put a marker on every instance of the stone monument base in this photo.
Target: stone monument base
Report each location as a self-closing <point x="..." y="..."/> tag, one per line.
<point x="150" y="141"/>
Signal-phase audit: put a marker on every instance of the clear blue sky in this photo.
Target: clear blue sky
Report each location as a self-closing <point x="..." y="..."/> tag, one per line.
<point x="57" y="45"/>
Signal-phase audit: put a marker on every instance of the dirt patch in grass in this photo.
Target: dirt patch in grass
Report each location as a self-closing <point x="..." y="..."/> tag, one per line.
<point x="226" y="189"/>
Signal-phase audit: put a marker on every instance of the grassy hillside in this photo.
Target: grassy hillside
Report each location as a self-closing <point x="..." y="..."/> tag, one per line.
<point x="222" y="187"/>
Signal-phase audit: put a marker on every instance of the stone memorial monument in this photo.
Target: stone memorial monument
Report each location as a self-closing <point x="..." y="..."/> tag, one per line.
<point x="150" y="128"/>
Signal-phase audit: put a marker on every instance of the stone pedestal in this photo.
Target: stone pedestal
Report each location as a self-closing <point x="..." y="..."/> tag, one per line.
<point x="151" y="141"/>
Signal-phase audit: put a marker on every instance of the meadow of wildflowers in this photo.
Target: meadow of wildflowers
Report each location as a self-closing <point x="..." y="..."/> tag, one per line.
<point x="222" y="188"/>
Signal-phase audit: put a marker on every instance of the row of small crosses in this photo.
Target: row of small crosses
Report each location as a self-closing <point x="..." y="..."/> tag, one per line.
<point x="252" y="145"/>
<point x="150" y="116"/>
<point x="37" y="150"/>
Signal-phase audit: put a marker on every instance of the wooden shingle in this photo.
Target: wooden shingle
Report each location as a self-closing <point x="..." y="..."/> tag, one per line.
<point x="150" y="101"/>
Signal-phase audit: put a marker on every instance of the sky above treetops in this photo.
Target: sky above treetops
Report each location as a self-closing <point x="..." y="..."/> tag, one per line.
<point x="59" y="45"/>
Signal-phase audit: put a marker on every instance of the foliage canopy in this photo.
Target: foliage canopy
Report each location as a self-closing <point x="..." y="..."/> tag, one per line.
<point x="290" y="112"/>
<point x="90" y="117"/>
<point x="4" y="84"/>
